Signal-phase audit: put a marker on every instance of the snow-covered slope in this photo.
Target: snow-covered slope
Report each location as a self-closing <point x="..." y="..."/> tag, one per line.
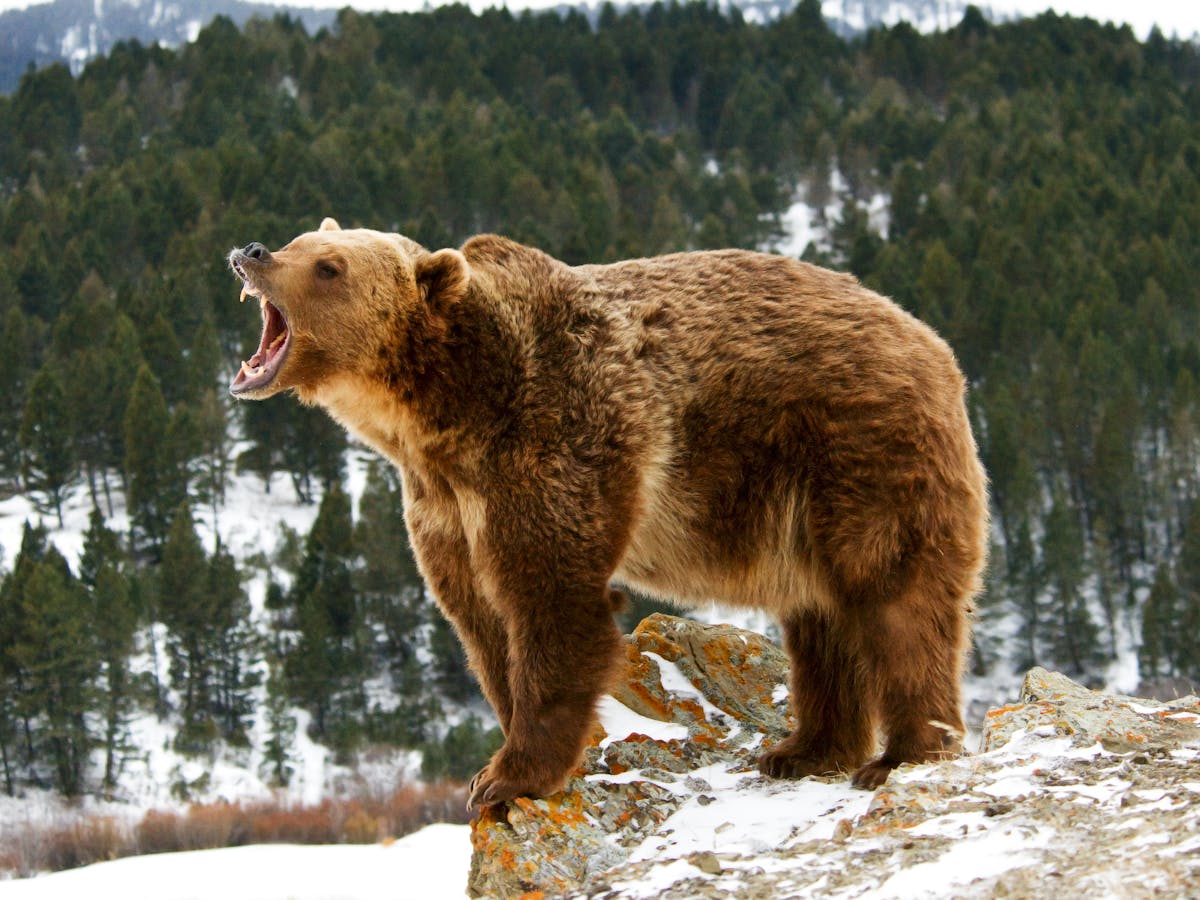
<point x="75" y="31"/>
<point x="428" y="865"/>
<point x="154" y="775"/>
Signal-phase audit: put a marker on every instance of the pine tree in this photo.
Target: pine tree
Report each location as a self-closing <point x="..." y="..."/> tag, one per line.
<point x="314" y="448"/>
<point x="152" y="473"/>
<point x="1025" y="585"/>
<point x="114" y="621"/>
<point x="186" y="606"/>
<point x="16" y="729"/>
<point x="234" y="647"/>
<point x="462" y="752"/>
<point x="124" y="360"/>
<point x="390" y="584"/>
<point x="213" y="446"/>
<point x="327" y="665"/>
<point x="162" y="352"/>
<point x="15" y="350"/>
<point x="1184" y="646"/>
<point x="58" y="652"/>
<point x="451" y="673"/>
<point x="1159" y="613"/>
<point x="281" y="727"/>
<point x="1072" y="630"/>
<point x="49" y="458"/>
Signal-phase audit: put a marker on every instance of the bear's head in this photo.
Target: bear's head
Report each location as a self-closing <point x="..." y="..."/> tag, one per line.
<point x="334" y="301"/>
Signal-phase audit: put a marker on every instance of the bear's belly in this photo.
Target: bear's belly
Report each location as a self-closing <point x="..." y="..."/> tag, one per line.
<point x="670" y="557"/>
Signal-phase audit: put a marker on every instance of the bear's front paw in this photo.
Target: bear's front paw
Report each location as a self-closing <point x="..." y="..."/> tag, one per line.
<point x="873" y="774"/>
<point x="796" y="759"/>
<point x="508" y="775"/>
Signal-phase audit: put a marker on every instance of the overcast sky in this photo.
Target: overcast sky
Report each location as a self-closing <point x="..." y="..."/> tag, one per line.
<point x="1180" y="17"/>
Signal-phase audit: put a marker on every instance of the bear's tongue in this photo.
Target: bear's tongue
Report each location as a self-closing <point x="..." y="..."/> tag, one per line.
<point x="262" y="367"/>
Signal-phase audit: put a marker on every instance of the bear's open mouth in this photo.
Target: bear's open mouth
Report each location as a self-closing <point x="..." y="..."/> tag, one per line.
<point x="261" y="368"/>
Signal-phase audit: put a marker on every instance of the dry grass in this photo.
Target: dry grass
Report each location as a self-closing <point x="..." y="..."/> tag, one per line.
<point x="363" y="820"/>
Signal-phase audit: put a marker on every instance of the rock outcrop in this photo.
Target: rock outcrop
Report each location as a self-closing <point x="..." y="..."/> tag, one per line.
<point x="1073" y="791"/>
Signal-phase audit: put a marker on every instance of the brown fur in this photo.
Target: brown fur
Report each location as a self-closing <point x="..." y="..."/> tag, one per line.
<point x="725" y="426"/>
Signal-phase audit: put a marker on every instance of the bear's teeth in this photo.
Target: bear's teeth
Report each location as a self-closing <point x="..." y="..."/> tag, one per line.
<point x="242" y="298"/>
<point x="246" y="370"/>
<point x="275" y="343"/>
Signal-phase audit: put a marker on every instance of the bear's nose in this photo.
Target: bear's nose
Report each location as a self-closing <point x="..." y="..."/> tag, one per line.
<point x="257" y="251"/>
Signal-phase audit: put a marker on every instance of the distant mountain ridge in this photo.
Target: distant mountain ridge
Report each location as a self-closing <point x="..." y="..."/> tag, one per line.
<point x="75" y="31"/>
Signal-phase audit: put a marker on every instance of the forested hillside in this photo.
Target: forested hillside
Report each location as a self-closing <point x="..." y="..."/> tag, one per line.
<point x="1044" y="216"/>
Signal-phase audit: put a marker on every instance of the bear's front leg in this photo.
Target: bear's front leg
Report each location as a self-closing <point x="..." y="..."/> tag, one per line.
<point x="443" y="554"/>
<point x="551" y="589"/>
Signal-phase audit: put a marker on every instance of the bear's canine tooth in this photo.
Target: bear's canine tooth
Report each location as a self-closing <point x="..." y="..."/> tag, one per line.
<point x="242" y="298"/>
<point x="246" y="370"/>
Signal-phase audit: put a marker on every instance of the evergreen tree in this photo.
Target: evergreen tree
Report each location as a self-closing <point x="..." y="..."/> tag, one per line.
<point x="1184" y="646"/>
<point x="115" y="621"/>
<point x="281" y="727"/>
<point x="326" y="666"/>
<point x="124" y="361"/>
<point x="58" y="653"/>
<point x="463" y="751"/>
<point x="49" y="459"/>
<point x="114" y="618"/>
<point x="451" y="673"/>
<point x="213" y="448"/>
<point x="17" y="724"/>
<point x="1073" y="633"/>
<point x="1159" y="613"/>
<point x="155" y="489"/>
<point x="187" y="608"/>
<point x="1025" y="582"/>
<point x="234" y="650"/>
<point x="15" y="350"/>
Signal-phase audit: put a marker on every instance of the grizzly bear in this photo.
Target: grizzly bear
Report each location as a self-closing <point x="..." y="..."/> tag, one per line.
<point x="729" y="426"/>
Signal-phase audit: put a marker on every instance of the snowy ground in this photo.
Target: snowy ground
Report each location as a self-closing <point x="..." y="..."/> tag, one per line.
<point x="428" y="865"/>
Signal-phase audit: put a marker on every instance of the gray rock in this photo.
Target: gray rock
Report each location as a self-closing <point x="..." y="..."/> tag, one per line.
<point x="1076" y="792"/>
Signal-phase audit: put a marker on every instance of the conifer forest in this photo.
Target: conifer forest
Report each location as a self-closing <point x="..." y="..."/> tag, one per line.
<point x="1042" y="185"/>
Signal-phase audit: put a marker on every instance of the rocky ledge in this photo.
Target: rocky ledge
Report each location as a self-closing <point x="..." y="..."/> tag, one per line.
<point x="1073" y="792"/>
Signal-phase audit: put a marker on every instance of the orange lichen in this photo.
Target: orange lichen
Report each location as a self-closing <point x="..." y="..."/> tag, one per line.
<point x="1004" y="710"/>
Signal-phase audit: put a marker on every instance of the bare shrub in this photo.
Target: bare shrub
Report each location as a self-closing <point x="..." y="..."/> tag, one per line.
<point x="85" y="842"/>
<point x="274" y="824"/>
<point x="29" y="849"/>
<point x="210" y="825"/>
<point x="158" y="832"/>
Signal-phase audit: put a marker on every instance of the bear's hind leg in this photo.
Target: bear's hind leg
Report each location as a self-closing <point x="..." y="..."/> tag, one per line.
<point x="915" y="647"/>
<point x="830" y="697"/>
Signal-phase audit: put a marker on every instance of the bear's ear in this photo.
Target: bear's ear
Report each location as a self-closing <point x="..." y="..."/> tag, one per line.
<point x="328" y="224"/>
<point x="443" y="276"/>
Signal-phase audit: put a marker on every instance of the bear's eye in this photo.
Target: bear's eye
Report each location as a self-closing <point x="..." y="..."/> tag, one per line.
<point x="327" y="270"/>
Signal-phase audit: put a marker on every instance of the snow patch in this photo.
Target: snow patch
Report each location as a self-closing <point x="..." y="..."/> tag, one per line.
<point x="989" y="855"/>
<point x="427" y="865"/>
<point x="619" y="722"/>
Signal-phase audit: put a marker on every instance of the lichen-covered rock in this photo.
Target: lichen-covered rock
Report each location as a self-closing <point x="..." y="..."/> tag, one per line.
<point x="1054" y="704"/>
<point x="1082" y="793"/>
<point x="736" y="671"/>
<point x="693" y="696"/>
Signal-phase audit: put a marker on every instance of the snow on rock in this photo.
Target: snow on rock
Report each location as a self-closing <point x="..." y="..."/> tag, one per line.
<point x="1068" y="776"/>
